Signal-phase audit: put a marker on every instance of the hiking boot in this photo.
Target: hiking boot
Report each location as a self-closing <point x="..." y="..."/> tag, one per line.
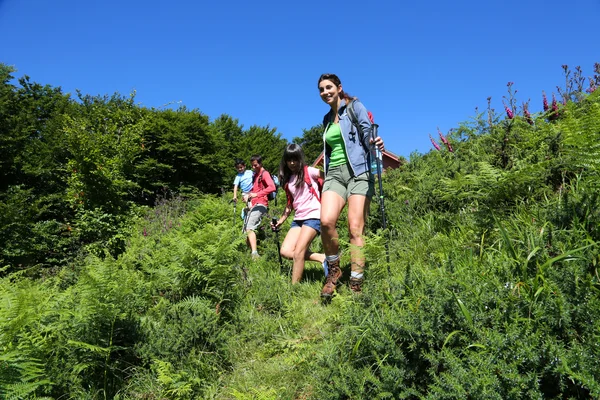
<point x="332" y="277"/>
<point x="356" y="284"/>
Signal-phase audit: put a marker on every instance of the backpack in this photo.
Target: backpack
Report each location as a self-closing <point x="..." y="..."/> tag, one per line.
<point x="273" y="195"/>
<point x="308" y="181"/>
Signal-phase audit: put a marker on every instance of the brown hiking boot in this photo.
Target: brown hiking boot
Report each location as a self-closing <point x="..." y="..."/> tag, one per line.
<point x="332" y="277"/>
<point x="356" y="284"/>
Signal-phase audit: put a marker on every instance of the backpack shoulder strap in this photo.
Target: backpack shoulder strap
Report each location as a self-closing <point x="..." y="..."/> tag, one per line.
<point x="288" y="195"/>
<point x="352" y="114"/>
<point x="308" y="181"/>
<point x="354" y="119"/>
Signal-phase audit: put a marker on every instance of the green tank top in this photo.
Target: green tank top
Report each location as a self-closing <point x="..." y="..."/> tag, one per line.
<point x="333" y="137"/>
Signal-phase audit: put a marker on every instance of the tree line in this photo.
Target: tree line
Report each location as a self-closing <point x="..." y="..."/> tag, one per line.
<point x="75" y="169"/>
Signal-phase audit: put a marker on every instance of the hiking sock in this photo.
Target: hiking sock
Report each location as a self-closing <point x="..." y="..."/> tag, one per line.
<point x="356" y="275"/>
<point x="331" y="259"/>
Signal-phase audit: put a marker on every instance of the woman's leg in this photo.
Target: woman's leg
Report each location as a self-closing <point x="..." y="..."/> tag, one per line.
<point x="358" y="208"/>
<point x="289" y="243"/>
<point x="307" y="234"/>
<point x="331" y="207"/>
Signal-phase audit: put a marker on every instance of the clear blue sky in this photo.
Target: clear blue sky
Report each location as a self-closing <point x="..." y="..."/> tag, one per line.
<point x="415" y="65"/>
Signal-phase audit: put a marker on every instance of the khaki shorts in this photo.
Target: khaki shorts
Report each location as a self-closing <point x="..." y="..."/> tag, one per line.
<point x="255" y="217"/>
<point x="339" y="181"/>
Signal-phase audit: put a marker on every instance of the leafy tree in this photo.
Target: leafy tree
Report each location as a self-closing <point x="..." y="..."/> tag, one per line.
<point x="34" y="218"/>
<point x="266" y="142"/>
<point x="179" y="153"/>
<point x="311" y="142"/>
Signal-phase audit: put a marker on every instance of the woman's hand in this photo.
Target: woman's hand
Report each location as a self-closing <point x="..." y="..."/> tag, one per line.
<point x="275" y="226"/>
<point x="378" y="142"/>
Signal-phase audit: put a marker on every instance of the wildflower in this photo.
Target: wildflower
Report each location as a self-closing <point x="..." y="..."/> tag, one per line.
<point x="445" y="141"/>
<point x="144" y="232"/>
<point x="527" y="114"/>
<point x="545" y="101"/>
<point x="554" y="104"/>
<point x="509" y="112"/>
<point x="434" y="143"/>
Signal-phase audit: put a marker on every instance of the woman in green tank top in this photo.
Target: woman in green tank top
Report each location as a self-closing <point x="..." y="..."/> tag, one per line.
<point x="348" y="180"/>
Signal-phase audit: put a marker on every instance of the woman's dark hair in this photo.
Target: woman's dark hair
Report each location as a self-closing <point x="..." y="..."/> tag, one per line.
<point x="292" y="152"/>
<point x="336" y="81"/>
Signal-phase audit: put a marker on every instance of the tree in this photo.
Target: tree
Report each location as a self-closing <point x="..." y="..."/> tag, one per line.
<point x="311" y="142"/>
<point x="266" y="142"/>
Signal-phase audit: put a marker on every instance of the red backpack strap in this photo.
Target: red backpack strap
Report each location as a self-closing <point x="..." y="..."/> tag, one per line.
<point x="262" y="181"/>
<point x="308" y="181"/>
<point x="288" y="195"/>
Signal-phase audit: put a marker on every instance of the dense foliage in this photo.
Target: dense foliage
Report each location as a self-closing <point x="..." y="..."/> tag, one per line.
<point x="492" y="291"/>
<point x="75" y="172"/>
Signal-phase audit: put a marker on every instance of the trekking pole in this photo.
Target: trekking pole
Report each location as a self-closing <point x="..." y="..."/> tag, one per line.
<point x="379" y="162"/>
<point x="234" y="210"/>
<point x="276" y="230"/>
<point x="246" y="215"/>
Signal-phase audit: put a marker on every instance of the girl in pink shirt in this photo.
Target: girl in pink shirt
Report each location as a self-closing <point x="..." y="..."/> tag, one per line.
<point x="306" y="202"/>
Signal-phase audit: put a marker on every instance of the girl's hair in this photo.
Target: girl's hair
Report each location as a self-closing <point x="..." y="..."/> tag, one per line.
<point x="336" y="81"/>
<point x="292" y="152"/>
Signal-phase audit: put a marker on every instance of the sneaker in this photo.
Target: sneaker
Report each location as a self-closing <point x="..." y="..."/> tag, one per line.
<point x="332" y="277"/>
<point x="356" y="284"/>
<point x="255" y="256"/>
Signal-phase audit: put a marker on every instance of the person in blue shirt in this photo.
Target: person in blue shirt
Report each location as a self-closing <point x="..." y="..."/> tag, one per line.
<point x="243" y="179"/>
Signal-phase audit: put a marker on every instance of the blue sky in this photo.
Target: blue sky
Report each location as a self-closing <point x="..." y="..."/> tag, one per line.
<point x="415" y="65"/>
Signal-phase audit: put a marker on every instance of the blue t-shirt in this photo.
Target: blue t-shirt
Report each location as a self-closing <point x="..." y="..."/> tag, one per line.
<point x="244" y="181"/>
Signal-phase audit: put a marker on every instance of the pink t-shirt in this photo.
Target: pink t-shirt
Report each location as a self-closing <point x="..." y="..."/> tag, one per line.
<point x="306" y="205"/>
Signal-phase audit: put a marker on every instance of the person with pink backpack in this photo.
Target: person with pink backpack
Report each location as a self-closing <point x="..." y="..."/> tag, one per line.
<point x="302" y="186"/>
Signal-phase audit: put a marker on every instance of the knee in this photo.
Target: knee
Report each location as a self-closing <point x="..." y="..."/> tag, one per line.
<point x="299" y="254"/>
<point x="286" y="252"/>
<point x="328" y="224"/>
<point x="356" y="230"/>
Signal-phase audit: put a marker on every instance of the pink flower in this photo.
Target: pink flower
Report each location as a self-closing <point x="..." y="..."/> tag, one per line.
<point x="434" y="143"/>
<point x="527" y="114"/>
<point x="554" y="104"/>
<point x="545" y="101"/>
<point x="445" y="141"/>
<point x="509" y="112"/>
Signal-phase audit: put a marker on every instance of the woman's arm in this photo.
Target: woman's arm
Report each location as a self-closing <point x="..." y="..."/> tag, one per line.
<point x="284" y="216"/>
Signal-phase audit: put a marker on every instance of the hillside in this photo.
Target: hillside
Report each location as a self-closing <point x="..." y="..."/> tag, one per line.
<point x="492" y="290"/>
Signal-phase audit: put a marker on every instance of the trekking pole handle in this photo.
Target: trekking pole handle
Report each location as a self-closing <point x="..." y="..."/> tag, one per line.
<point x="274" y="224"/>
<point x="374" y="134"/>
